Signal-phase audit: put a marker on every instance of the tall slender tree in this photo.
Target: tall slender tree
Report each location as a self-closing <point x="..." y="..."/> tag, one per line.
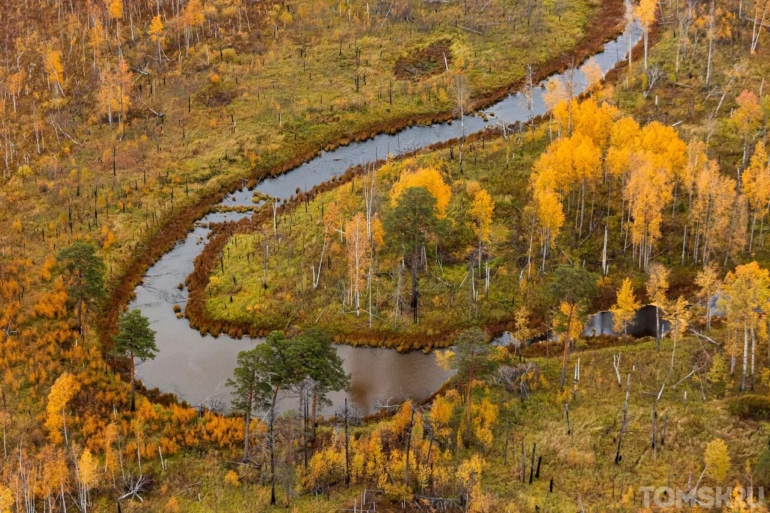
<point x="471" y="358"/>
<point x="135" y="339"/>
<point x="657" y="286"/>
<point x="83" y="273"/>
<point x="283" y="364"/>
<point x="745" y="296"/>
<point x="570" y="290"/>
<point x="625" y="308"/>
<point x="409" y="225"/>
<point x="251" y="392"/>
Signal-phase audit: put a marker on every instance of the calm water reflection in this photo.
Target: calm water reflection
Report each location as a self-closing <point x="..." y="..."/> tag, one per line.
<point x="196" y="367"/>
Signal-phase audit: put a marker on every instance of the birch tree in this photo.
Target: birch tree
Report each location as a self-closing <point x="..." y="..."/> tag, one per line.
<point x="625" y="308"/>
<point x="657" y="286"/>
<point x="745" y="295"/>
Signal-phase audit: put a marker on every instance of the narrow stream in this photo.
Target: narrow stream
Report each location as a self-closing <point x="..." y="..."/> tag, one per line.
<point x="195" y="367"/>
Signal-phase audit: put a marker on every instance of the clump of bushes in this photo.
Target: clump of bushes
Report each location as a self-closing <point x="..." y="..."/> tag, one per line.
<point x="751" y="407"/>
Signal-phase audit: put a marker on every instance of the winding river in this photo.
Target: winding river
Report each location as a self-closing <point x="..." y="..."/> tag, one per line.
<point x="195" y="367"/>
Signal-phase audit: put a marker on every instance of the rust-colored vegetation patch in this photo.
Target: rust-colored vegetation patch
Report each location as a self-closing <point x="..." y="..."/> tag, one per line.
<point x="419" y="63"/>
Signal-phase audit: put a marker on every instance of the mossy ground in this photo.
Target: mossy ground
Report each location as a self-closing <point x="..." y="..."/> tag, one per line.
<point x="266" y="102"/>
<point x="290" y="296"/>
<point x="502" y="166"/>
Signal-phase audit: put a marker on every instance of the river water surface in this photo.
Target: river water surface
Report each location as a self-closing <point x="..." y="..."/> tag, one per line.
<point x="195" y="367"/>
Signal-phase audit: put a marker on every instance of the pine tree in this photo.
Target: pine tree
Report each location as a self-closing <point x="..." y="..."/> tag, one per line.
<point x="471" y="359"/>
<point x="83" y="274"/>
<point x="251" y="391"/>
<point x="135" y="339"/>
<point x="408" y="225"/>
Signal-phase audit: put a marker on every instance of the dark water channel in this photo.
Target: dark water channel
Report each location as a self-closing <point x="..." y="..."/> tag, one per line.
<point x="195" y="367"/>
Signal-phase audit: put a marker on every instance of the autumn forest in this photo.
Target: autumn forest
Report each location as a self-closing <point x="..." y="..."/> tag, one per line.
<point x="409" y="255"/>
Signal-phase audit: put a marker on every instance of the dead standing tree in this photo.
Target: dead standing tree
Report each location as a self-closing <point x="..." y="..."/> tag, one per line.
<point x="655" y="419"/>
<point x="624" y="421"/>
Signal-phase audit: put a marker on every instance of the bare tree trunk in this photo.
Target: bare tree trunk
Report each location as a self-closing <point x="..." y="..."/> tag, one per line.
<point x="133" y="388"/>
<point x="604" y="252"/>
<point x="745" y="355"/>
<point x="347" y="445"/>
<point x="711" y="45"/>
<point x="313" y="416"/>
<point x="734" y="350"/>
<point x="271" y="439"/>
<point x="408" y="448"/>
<point x="618" y="456"/>
<point x="753" y="351"/>
<point x="246" y="429"/>
<point x="414" y="299"/>
<point x="468" y="399"/>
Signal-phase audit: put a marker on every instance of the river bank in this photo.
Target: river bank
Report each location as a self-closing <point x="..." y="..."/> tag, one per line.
<point x="213" y="256"/>
<point x="179" y="343"/>
<point x="603" y="27"/>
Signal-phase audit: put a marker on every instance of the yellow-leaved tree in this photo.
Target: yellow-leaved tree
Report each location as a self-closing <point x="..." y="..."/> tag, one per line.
<point x="678" y="317"/>
<point x="115" y="9"/>
<point x="747" y="119"/>
<point x="625" y="308"/>
<point x="63" y="390"/>
<point x="484" y="419"/>
<point x="192" y="18"/>
<point x="114" y="96"/>
<point x="469" y="474"/>
<point x="593" y="73"/>
<point x="441" y="415"/>
<point x="645" y="11"/>
<point x="87" y="474"/>
<point x="156" y="32"/>
<point x="657" y="286"/>
<point x="6" y="499"/>
<point x="756" y="187"/>
<point x="647" y="191"/>
<point x="55" y="473"/>
<point x="717" y="459"/>
<point x="54" y="70"/>
<point x="481" y="210"/>
<point x="428" y="178"/>
<point x="708" y="281"/>
<point x="745" y="293"/>
<point x="523" y="332"/>
<point x="712" y="212"/>
<point x="550" y="213"/>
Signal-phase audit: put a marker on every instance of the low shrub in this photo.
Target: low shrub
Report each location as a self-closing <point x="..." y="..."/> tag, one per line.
<point x="754" y="407"/>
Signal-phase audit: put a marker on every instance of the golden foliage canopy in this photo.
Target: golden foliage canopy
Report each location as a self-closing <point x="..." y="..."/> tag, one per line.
<point x="428" y="178"/>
